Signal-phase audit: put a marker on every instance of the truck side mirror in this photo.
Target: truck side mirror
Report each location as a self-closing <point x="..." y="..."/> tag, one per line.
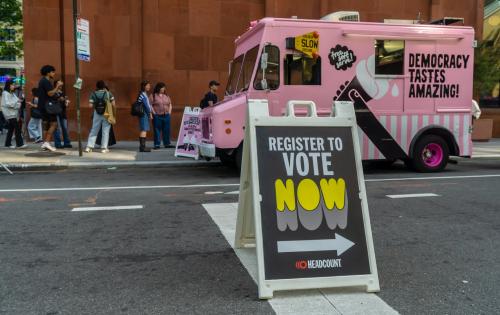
<point x="263" y="61"/>
<point x="263" y="84"/>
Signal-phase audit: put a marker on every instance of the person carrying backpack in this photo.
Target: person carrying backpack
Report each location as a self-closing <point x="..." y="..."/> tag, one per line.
<point x="98" y="101"/>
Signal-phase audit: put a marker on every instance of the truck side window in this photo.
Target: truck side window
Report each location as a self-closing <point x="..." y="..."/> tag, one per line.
<point x="302" y="70"/>
<point x="389" y="57"/>
<point x="247" y="69"/>
<point x="234" y="75"/>
<point x="272" y="73"/>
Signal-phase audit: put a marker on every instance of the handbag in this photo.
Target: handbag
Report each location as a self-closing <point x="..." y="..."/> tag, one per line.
<point x="36" y="113"/>
<point x="53" y="107"/>
<point x="110" y="111"/>
<point x="137" y="108"/>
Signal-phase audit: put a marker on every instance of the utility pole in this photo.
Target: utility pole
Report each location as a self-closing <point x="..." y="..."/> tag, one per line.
<point x="77" y="76"/>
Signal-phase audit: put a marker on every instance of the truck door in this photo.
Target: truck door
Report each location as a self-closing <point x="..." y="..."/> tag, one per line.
<point x="267" y="78"/>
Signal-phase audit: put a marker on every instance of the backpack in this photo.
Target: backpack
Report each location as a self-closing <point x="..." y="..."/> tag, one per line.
<point x="100" y="105"/>
<point x="137" y="108"/>
<point x="204" y="102"/>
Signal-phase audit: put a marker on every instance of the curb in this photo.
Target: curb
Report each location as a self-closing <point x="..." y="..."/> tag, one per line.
<point x="100" y="164"/>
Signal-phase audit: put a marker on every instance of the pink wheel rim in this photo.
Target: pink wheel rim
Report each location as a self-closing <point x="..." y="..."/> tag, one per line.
<point x="432" y="155"/>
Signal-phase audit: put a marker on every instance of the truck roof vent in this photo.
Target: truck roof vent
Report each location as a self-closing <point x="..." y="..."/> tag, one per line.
<point x="351" y="16"/>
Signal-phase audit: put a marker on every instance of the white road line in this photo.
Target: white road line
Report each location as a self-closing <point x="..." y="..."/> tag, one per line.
<point x="479" y="155"/>
<point x="323" y="301"/>
<point x="236" y="192"/>
<point x="213" y="192"/>
<point x="412" y="196"/>
<point x="60" y="189"/>
<point x="107" y="208"/>
<point x="117" y="187"/>
<point x="429" y="178"/>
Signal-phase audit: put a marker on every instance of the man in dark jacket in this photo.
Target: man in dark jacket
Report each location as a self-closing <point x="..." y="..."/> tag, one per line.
<point x="210" y="98"/>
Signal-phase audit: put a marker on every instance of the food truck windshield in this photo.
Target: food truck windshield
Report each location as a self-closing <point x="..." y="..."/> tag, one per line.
<point x="241" y="71"/>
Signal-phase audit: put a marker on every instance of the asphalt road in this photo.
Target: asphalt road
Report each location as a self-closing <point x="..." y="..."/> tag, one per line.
<point x="435" y="255"/>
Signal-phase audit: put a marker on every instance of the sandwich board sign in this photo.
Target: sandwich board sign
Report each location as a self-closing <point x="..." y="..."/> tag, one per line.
<point x="189" y="134"/>
<point x="302" y="200"/>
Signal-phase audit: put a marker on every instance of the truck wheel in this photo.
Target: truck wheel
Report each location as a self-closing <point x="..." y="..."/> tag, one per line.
<point x="238" y="156"/>
<point x="431" y="154"/>
<point x="226" y="159"/>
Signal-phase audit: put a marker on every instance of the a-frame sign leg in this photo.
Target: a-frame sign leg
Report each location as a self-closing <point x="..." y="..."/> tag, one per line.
<point x="245" y="229"/>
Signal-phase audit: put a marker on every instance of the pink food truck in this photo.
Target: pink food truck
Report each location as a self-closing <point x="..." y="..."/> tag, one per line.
<point x="411" y="85"/>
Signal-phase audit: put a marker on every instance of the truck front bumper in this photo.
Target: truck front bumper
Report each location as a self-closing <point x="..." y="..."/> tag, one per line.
<point x="207" y="150"/>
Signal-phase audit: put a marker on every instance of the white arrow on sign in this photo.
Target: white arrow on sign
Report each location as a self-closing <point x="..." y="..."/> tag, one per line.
<point x="339" y="244"/>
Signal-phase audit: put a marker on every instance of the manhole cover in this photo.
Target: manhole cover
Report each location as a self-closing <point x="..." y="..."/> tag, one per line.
<point x="45" y="154"/>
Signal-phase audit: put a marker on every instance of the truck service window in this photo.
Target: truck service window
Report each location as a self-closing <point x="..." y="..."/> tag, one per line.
<point x="247" y="69"/>
<point x="271" y="75"/>
<point x="389" y="57"/>
<point x="234" y="75"/>
<point x="302" y="70"/>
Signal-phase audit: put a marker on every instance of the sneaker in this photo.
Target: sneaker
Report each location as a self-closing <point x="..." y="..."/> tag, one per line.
<point x="156" y="148"/>
<point x="10" y="146"/>
<point x="58" y="146"/>
<point x="68" y="146"/>
<point x="24" y="146"/>
<point x="39" y="140"/>
<point x="88" y="150"/>
<point x="47" y="146"/>
<point x="104" y="150"/>
<point x="169" y="146"/>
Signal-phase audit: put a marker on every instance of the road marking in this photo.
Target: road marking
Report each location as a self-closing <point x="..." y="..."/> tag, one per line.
<point x="117" y="187"/>
<point x="412" y="196"/>
<point x="428" y="178"/>
<point x="213" y="192"/>
<point x="60" y="189"/>
<point x="316" y="301"/>
<point x="236" y="192"/>
<point x="107" y="208"/>
<point x="485" y="155"/>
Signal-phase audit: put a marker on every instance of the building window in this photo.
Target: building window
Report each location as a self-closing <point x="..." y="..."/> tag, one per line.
<point x="268" y="73"/>
<point x="389" y="57"/>
<point x="302" y="70"/>
<point x="7" y="35"/>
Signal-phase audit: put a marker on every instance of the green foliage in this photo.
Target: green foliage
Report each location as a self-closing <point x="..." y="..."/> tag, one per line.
<point x="11" y="17"/>
<point x="486" y="68"/>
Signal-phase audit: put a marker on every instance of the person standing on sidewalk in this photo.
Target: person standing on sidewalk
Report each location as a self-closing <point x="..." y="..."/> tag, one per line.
<point x="35" y="123"/>
<point x="3" y="122"/>
<point x="98" y="101"/>
<point x="62" y="121"/>
<point x="10" y="108"/>
<point x="148" y="115"/>
<point x="162" y="109"/>
<point x="45" y="93"/>
<point x="210" y="99"/>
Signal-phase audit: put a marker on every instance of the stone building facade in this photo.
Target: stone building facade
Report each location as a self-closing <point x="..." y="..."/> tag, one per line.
<point x="184" y="43"/>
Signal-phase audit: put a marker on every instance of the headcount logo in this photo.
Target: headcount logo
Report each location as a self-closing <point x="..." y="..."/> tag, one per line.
<point x="428" y="74"/>
<point x="299" y="198"/>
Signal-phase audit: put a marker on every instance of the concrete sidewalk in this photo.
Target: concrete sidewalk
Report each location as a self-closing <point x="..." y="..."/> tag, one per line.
<point x="124" y="153"/>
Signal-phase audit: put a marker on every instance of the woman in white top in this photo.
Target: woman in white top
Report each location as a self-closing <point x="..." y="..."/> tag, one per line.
<point x="10" y="108"/>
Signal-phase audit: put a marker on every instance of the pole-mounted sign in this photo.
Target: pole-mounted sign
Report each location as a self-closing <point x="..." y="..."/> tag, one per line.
<point x="303" y="200"/>
<point x="83" y="39"/>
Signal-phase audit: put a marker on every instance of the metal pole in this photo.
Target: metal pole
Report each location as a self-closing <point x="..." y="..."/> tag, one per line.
<point x="77" y="75"/>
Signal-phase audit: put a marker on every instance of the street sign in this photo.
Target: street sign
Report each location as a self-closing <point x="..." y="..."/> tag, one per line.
<point x="83" y="39"/>
<point x="303" y="200"/>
